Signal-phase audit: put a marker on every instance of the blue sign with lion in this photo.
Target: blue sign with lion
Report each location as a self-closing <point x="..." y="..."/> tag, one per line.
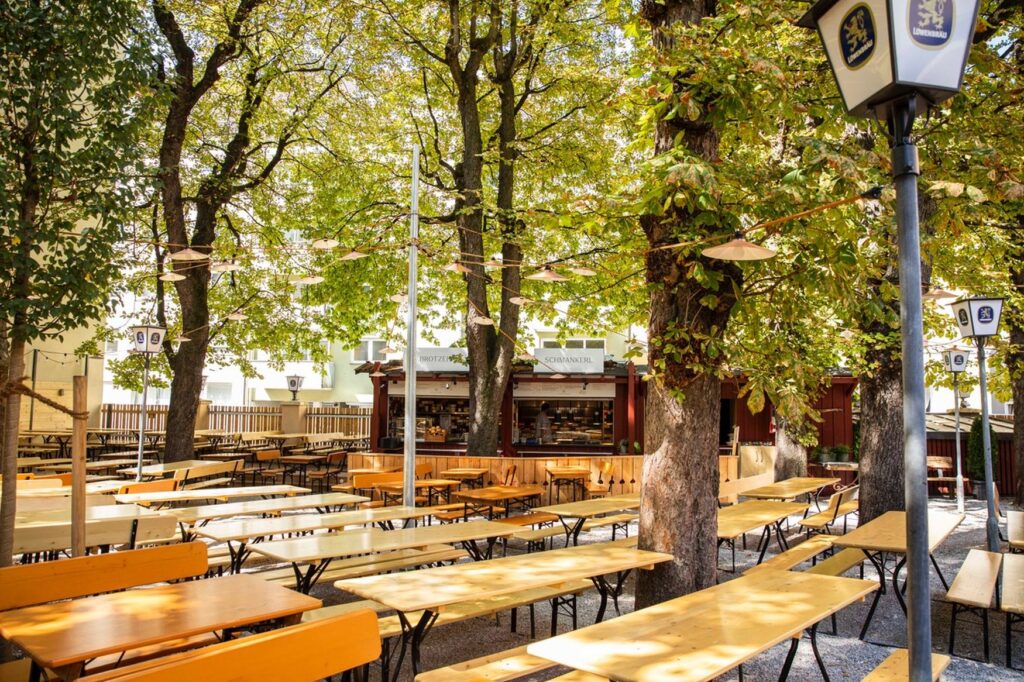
<point x="931" y="22"/>
<point x="857" y="36"/>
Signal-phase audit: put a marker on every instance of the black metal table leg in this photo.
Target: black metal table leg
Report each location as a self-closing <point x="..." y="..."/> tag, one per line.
<point x="878" y="593"/>
<point x="896" y="583"/>
<point x="817" y="654"/>
<point x="784" y="673"/>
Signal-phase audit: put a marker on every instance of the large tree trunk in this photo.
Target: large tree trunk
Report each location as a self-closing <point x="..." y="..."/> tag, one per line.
<point x="11" y="419"/>
<point x="881" y="436"/>
<point x="679" y="514"/>
<point x="791" y="456"/>
<point x="1015" y="357"/>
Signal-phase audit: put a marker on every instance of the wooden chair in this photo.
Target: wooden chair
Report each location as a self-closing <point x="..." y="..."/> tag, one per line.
<point x="161" y="486"/>
<point x="1014" y="530"/>
<point x="973" y="591"/>
<point x="332" y="471"/>
<point x="268" y="467"/>
<point x="508" y="475"/>
<point x="369" y="482"/>
<point x="300" y="653"/>
<point x="840" y="505"/>
<point x="601" y="488"/>
<point x="424" y="469"/>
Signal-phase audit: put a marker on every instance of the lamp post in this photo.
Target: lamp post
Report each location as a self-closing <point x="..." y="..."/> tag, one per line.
<point x="295" y="385"/>
<point x="148" y="342"/>
<point x="892" y="59"/>
<point x="978" y="319"/>
<point x="956" y="362"/>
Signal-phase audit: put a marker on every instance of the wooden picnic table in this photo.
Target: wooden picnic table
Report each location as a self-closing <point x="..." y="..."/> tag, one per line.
<point x="737" y="520"/>
<point x="505" y="496"/>
<point x="238" y="535"/>
<point x="302" y="463"/>
<point x="471" y="476"/>
<point x="579" y="512"/>
<point x="319" y="550"/>
<point x="430" y="590"/>
<point x="791" y="488"/>
<point x="322" y="503"/>
<point x="887" y="534"/>
<point x="703" y="635"/>
<point x="576" y="476"/>
<point x="105" y="465"/>
<point x="64" y="636"/>
<point x="172" y="496"/>
<point x="162" y="469"/>
<point x="91" y="488"/>
<point x="435" y="487"/>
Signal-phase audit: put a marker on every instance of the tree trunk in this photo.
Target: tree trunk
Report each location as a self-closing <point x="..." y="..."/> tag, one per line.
<point x="187" y="364"/>
<point x="1015" y="357"/>
<point x="679" y="514"/>
<point x="791" y="456"/>
<point x="881" y="436"/>
<point x="11" y="419"/>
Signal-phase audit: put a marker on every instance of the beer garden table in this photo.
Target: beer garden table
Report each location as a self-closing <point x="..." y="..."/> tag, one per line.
<point x="792" y="488"/>
<point x="64" y="636"/>
<point x="322" y="503"/>
<point x="587" y="509"/>
<point x="705" y="634"/>
<point x="887" y="534"/>
<point x="172" y="496"/>
<point x="164" y="468"/>
<point x="575" y="476"/>
<point x="737" y="520"/>
<point x="471" y="476"/>
<point x="435" y="487"/>
<point x="430" y="590"/>
<point x="319" y="550"/>
<point x="506" y="496"/>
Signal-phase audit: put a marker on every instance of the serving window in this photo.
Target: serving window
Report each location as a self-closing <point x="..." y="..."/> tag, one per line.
<point x="433" y="415"/>
<point x="563" y="422"/>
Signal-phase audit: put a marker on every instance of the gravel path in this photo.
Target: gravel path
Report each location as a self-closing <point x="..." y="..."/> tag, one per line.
<point x="846" y="656"/>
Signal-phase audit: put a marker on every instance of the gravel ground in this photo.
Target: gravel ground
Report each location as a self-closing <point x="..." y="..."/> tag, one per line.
<point x="845" y="655"/>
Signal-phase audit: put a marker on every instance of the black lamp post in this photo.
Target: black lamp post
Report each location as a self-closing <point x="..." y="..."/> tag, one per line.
<point x="978" y="319"/>
<point x="893" y="59"/>
<point x="956" y="362"/>
<point x="149" y="341"/>
<point x="294" y="385"/>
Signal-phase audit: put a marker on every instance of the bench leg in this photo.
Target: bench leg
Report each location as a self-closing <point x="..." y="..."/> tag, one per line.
<point x="984" y="621"/>
<point x="1009" y="641"/>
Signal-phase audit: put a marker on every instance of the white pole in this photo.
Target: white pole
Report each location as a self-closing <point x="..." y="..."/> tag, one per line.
<point x="408" y="486"/>
<point x="959" y="464"/>
<point x="142" y="420"/>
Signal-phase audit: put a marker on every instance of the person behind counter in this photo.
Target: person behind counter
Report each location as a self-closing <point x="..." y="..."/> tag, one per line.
<point x="543" y="424"/>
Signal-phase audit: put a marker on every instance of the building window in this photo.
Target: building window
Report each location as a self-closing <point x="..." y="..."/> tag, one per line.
<point x="111" y="346"/>
<point x="369" y="351"/>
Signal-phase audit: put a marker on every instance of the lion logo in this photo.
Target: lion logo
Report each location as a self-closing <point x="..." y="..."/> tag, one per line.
<point x="931" y="22"/>
<point x="857" y="36"/>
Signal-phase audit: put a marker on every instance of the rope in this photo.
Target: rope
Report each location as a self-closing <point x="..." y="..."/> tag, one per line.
<point x="18" y="386"/>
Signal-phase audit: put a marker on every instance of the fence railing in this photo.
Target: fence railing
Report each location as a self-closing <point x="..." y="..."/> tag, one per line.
<point x="354" y="421"/>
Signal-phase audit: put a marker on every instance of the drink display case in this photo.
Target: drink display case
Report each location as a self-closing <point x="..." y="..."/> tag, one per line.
<point x="572" y="422"/>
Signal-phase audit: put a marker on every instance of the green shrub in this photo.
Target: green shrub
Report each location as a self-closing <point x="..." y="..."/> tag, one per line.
<point x="976" y="451"/>
<point x="841" y="453"/>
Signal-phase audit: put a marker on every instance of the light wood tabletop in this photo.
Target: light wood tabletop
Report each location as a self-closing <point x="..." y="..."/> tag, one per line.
<point x="737" y="519"/>
<point x="790" y="489"/>
<point x="568" y="472"/>
<point x="705" y="634"/>
<point x="888" y="532"/>
<point x="165" y="468"/>
<point x="26" y="519"/>
<point x="1012" y="595"/>
<point x="64" y="635"/>
<point x="464" y="472"/>
<point x="190" y="515"/>
<point x="593" y="507"/>
<point x="171" y="496"/>
<point x="435" y="588"/>
<point x="90" y="466"/>
<point x="501" y="493"/>
<point x="249" y="529"/>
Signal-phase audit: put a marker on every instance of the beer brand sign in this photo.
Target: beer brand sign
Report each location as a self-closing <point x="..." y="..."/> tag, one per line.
<point x="931" y="22"/>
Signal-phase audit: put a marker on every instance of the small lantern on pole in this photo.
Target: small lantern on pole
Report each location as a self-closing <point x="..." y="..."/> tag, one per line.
<point x="295" y="385"/>
<point x="956" y="362"/>
<point x="978" y="319"/>
<point x="893" y="59"/>
<point x="149" y="341"/>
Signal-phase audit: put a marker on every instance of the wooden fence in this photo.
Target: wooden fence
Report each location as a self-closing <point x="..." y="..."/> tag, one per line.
<point x="237" y="418"/>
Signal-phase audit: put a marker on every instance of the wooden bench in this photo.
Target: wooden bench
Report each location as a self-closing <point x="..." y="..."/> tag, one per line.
<point x="537" y="538"/>
<point x="39" y="583"/>
<point x="941" y="469"/>
<point x="973" y="591"/>
<point x="809" y="549"/>
<point x="307" y="651"/>
<point x="896" y="667"/>
<point x="529" y="519"/>
<point x="503" y="666"/>
<point x="840" y="505"/>
<point x="373" y="564"/>
<point x="106" y="532"/>
<point x="616" y="521"/>
<point x="838" y="564"/>
<point x="208" y="475"/>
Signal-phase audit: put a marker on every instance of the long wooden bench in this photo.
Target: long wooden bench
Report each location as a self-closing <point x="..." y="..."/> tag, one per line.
<point x="807" y="550"/>
<point x="896" y="667"/>
<point x="616" y="521"/>
<point x="840" y="505"/>
<point x="39" y="583"/>
<point x="105" y="532"/>
<point x="973" y="591"/>
<point x="373" y="564"/>
<point x="941" y="469"/>
<point x="208" y="475"/>
<point x="503" y="666"/>
<point x="302" y="653"/>
<point x="838" y="564"/>
<point x="529" y="519"/>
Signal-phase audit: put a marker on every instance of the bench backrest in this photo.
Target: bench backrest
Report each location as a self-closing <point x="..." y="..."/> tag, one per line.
<point x="729" y="491"/>
<point x="301" y="653"/>
<point x="35" y="483"/>
<point x="65" y="479"/>
<point x="1014" y="525"/>
<point x="508" y="476"/>
<point x="975" y="582"/>
<point x="267" y="455"/>
<point x="364" y="481"/>
<point x="162" y="486"/>
<point x="204" y="470"/>
<point x="61" y="502"/>
<point x="47" y="581"/>
<point x="122" y="531"/>
<point x="940" y="462"/>
<point x="424" y="469"/>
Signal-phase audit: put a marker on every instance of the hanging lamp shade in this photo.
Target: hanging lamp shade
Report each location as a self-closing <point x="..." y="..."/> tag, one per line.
<point x="188" y="255"/>
<point x="310" y="279"/>
<point x="237" y="316"/>
<point x="482" y="320"/>
<point x="398" y="298"/>
<point x="493" y="263"/>
<point x="456" y="267"/>
<point x="548" y="274"/>
<point x="171" y="277"/>
<point x="583" y="272"/>
<point x="738" y="249"/>
<point x="526" y="357"/>
<point x="520" y="301"/>
<point x="938" y="294"/>
<point x="224" y="266"/>
<point x="558" y="377"/>
<point x="181" y="338"/>
<point x="324" y="244"/>
<point x="388" y="350"/>
<point x="353" y="255"/>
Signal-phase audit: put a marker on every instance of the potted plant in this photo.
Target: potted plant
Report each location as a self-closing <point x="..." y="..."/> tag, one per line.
<point x="841" y="453"/>
<point x="976" y="458"/>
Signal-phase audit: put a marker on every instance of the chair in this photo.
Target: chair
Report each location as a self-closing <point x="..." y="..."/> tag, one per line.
<point x="600" y="489"/>
<point x="840" y="505"/>
<point x="268" y="467"/>
<point x="424" y="470"/>
<point x="161" y="486"/>
<point x="334" y="468"/>
<point x="508" y="475"/>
